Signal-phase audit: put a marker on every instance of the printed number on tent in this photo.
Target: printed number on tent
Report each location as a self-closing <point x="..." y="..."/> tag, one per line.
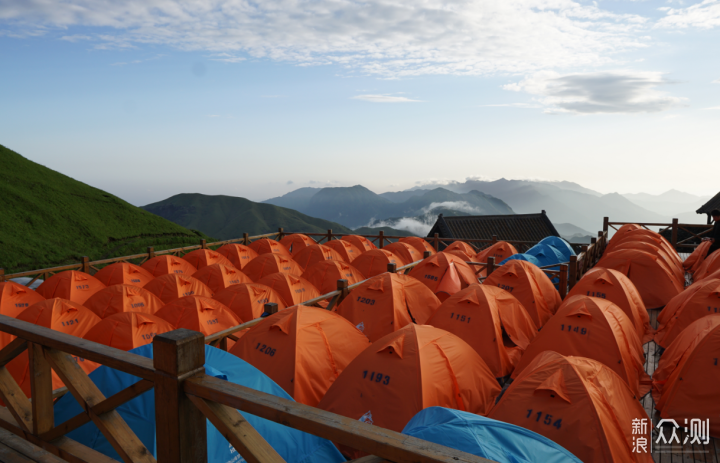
<point x="377" y="377"/>
<point x="548" y="419"/>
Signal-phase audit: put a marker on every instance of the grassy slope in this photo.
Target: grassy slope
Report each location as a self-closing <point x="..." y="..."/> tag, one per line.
<point x="228" y="217"/>
<point x="48" y="219"/>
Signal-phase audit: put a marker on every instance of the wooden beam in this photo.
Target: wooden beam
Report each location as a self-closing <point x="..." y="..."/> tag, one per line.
<point x="374" y="440"/>
<point x="181" y="432"/>
<point x="563" y="281"/>
<point x="32" y="452"/>
<point x="15" y="400"/>
<point x="243" y="437"/>
<point x="16" y="347"/>
<point x="572" y="277"/>
<point x="41" y="388"/>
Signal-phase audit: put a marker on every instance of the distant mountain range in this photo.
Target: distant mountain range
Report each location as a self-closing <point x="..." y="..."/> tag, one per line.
<point x="672" y="203"/>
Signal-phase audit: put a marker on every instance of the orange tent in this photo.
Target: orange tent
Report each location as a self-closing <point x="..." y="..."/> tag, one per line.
<point x="123" y="298"/>
<point x="651" y="276"/>
<point x="530" y="286"/>
<point x="409" y="370"/>
<point x="314" y="253"/>
<point x="375" y="262"/>
<point x="360" y="242"/>
<point x="128" y="330"/>
<point x="240" y="255"/>
<point x="580" y="404"/>
<point x="296" y="242"/>
<point x="60" y="315"/>
<point x="404" y="251"/>
<point x="247" y="300"/>
<point x="652" y="238"/>
<point x="293" y="290"/>
<point x="165" y="265"/>
<point x="618" y="289"/>
<point x="198" y="313"/>
<point x="200" y="258"/>
<point x="695" y="260"/>
<point x="70" y="284"/>
<point x="621" y="233"/>
<point x="14" y="298"/>
<point x="597" y="329"/>
<point x="303" y="349"/>
<point x="218" y="277"/>
<point x="267" y="264"/>
<point x="500" y="251"/>
<point x="386" y="303"/>
<point x="418" y="243"/>
<point x="710" y="265"/>
<point x="347" y="250"/>
<point x="491" y="321"/>
<point x="324" y="275"/>
<point x="685" y="382"/>
<point x="677" y="270"/>
<point x="124" y="273"/>
<point x="173" y="286"/>
<point x="444" y="274"/>
<point x="268" y="246"/>
<point x="697" y="301"/>
<point x="462" y="247"/>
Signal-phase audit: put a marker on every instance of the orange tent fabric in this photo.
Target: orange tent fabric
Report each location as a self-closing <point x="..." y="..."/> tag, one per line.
<point x="697" y="301"/>
<point x="174" y="286"/>
<point x="60" y="315"/>
<point x="293" y="290"/>
<point x="695" y="260"/>
<point x="124" y="273"/>
<point x="269" y="263"/>
<point x="165" y="265"/>
<point x="268" y="246"/>
<point x="348" y="251"/>
<point x="198" y="313"/>
<point x="14" y="298"/>
<point x="324" y="275"/>
<point x="70" y="284"/>
<point x="462" y="255"/>
<point x="685" y="382"/>
<point x="710" y="265"/>
<point x="404" y="251"/>
<point x="651" y="276"/>
<point x="444" y="274"/>
<point x="247" y="300"/>
<point x="463" y="247"/>
<point x="360" y="242"/>
<point x="618" y="289"/>
<point x="677" y="269"/>
<point x="303" y="349"/>
<point x="500" y="251"/>
<point x="218" y="277"/>
<point x="386" y="303"/>
<point x="649" y="236"/>
<point x="375" y="262"/>
<point x="597" y="329"/>
<point x="580" y="404"/>
<point x="530" y="286"/>
<point x="123" y="298"/>
<point x="409" y="370"/>
<point x="491" y="321"/>
<point x="315" y="253"/>
<point x="200" y="258"/>
<point x="128" y="330"/>
<point x="240" y="255"/>
<point x="296" y="242"/>
<point x="621" y="233"/>
<point x="418" y="243"/>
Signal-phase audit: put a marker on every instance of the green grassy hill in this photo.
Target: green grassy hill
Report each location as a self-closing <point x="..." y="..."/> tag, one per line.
<point x="49" y="219"/>
<point x="227" y="217"/>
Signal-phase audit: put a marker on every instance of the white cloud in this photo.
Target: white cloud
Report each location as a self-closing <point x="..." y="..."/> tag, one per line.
<point x="462" y="206"/>
<point x="388" y="38"/>
<point x="704" y="15"/>
<point x="75" y="38"/>
<point x="410" y="224"/>
<point x="713" y="107"/>
<point x="599" y="92"/>
<point x="512" y="105"/>
<point x="384" y="99"/>
<point x="716" y="81"/>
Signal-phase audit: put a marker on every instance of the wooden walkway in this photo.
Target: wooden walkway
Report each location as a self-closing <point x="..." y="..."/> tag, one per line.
<point x="680" y="453"/>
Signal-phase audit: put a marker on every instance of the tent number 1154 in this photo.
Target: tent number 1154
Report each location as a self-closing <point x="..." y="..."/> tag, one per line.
<point x="548" y="419"/>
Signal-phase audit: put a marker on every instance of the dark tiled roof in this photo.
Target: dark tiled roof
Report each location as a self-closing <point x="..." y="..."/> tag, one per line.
<point x="516" y="227"/>
<point x="714" y="203"/>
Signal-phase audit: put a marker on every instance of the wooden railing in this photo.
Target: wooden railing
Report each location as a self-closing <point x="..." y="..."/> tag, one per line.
<point x="674" y="227"/>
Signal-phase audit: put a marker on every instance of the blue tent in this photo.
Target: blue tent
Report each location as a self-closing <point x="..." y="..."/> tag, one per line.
<point x="561" y="245"/>
<point x="525" y="257"/>
<point x="139" y="413"/>
<point x="485" y="437"/>
<point x="546" y="255"/>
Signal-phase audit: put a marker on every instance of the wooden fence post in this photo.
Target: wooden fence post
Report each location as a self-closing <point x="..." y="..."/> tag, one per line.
<point x="342" y="286"/>
<point x="180" y="427"/>
<point x="86" y="264"/>
<point x="392" y="267"/>
<point x="203" y="244"/>
<point x="329" y="235"/>
<point x="270" y="308"/>
<point x="2" y="275"/>
<point x="573" y="271"/>
<point x="246" y="239"/>
<point x="426" y="254"/>
<point x="674" y="233"/>
<point x="436" y="242"/>
<point x="280" y="233"/>
<point x="490" y="266"/>
<point x="605" y="224"/>
<point x="563" y="281"/>
<point x="494" y="239"/>
<point x="381" y="241"/>
<point x="151" y="252"/>
<point x="40" y="390"/>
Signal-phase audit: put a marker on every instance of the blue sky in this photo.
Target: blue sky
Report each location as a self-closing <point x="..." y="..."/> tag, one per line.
<point x="151" y="98"/>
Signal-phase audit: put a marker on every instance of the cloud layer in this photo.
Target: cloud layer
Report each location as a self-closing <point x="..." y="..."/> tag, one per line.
<point x="380" y="37"/>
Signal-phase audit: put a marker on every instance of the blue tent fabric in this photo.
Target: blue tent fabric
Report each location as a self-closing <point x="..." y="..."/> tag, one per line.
<point x="525" y="257"/>
<point x="546" y="255"/>
<point x="485" y="437"/>
<point x="559" y="244"/>
<point x="139" y="413"/>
